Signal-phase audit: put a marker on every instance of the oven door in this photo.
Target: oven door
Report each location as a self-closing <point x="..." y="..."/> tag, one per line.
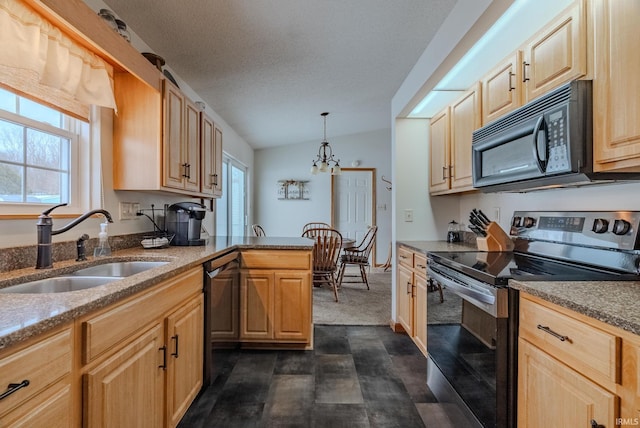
<point x="467" y="345"/>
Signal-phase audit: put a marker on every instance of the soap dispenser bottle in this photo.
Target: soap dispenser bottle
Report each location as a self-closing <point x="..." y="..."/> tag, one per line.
<point x="103" y="249"/>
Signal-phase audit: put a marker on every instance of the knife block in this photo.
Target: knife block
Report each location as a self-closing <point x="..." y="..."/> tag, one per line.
<point x="496" y="239"/>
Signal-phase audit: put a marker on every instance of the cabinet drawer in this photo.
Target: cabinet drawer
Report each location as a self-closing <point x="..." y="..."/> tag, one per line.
<point x="582" y="346"/>
<point x="41" y="364"/>
<point x="405" y="257"/>
<point x="420" y="264"/>
<point x="103" y="331"/>
<point x="275" y="259"/>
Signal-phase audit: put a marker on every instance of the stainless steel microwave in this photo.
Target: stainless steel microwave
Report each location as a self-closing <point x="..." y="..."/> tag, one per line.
<point x="545" y="143"/>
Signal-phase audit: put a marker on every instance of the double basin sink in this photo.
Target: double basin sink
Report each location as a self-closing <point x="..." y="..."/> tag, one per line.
<point x="81" y="279"/>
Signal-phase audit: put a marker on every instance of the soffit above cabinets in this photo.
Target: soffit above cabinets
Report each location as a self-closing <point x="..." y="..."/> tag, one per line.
<point x="523" y="19"/>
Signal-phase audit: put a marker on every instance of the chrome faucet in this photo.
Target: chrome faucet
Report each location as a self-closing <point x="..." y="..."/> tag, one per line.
<point x="45" y="231"/>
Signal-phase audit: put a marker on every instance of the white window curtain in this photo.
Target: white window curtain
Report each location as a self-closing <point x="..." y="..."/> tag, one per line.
<point x="39" y="61"/>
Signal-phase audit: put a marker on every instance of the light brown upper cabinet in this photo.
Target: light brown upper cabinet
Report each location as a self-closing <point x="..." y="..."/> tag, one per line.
<point x="465" y="118"/>
<point x="502" y="88"/>
<point x="181" y="142"/>
<point x="557" y="54"/>
<point x="450" y="140"/>
<point x="211" y="156"/>
<point x="160" y="142"/>
<point x="439" y="140"/>
<point x="616" y="106"/>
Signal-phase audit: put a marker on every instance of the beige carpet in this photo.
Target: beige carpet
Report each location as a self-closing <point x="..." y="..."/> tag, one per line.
<point x="356" y="305"/>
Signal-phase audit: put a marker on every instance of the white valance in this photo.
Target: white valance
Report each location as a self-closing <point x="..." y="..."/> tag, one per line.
<point x="38" y="60"/>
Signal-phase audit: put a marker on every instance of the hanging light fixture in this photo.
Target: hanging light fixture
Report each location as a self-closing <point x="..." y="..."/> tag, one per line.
<point x="325" y="158"/>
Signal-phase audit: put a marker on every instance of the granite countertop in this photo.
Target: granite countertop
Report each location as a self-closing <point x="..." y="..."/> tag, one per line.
<point x="432" y="246"/>
<point x="612" y="302"/>
<point x="26" y="315"/>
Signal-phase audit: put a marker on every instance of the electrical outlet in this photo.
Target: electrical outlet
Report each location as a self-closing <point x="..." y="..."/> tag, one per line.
<point x="408" y="216"/>
<point x="128" y="210"/>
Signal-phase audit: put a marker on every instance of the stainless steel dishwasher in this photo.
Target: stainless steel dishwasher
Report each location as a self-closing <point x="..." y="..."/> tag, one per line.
<point x="220" y="279"/>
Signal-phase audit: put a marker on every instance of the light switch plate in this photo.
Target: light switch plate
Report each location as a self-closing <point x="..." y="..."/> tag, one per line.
<point x="408" y="216"/>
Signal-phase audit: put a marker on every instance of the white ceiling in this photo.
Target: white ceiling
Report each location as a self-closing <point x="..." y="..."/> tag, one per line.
<point x="269" y="68"/>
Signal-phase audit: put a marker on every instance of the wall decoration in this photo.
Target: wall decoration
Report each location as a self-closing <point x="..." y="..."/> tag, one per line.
<point x="292" y="189"/>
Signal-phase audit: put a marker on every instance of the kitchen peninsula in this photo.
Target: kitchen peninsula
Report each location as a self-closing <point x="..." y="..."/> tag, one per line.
<point x="70" y="355"/>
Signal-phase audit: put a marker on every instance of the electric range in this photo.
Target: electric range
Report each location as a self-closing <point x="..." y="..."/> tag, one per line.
<point x="473" y="354"/>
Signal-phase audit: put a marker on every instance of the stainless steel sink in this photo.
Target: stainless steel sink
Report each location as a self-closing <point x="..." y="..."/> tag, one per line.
<point x="59" y="284"/>
<point x="118" y="269"/>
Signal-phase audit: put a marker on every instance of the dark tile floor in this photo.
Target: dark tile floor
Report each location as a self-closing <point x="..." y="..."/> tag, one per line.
<point x="356" y="376"/>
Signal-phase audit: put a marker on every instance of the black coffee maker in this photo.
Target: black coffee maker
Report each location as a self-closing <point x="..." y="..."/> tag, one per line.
<point x="184" y="220"/>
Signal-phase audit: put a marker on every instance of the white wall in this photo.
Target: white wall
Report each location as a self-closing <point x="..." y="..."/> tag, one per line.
<point x="608" y="197"/>
<point x="287" y="217"/>
<point x="411" y="179"/>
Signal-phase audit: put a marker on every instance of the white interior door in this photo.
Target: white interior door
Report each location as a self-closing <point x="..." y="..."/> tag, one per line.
<point x="353" y="202"/>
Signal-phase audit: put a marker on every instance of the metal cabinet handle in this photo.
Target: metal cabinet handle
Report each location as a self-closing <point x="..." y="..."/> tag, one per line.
<point x="175" y="354"/>
<point x="163" y="366"/>
<point x="13" y="387"/>
<point x="215" y="179"/>
<point x="525" y="64"/>
<point x="553" y="333"/>
<point x="421" y="266"/>
<point x="188" y="170"/>
<point x="595" y="424"/>
<point x="409" y="285"/>
<point x="444" y="175"/>
<point x="184" y="174"/>
<point x="403" y="257"/>
<point x="511" y="87"/>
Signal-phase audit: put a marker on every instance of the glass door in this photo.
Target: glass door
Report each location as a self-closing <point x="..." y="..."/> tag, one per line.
<point x="231" y="208"/>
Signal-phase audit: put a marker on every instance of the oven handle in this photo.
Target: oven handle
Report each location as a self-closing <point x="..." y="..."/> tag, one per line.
<point x="462" y="289"/>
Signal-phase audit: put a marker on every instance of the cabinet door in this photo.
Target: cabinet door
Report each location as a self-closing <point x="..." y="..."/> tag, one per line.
<point x="502" y="89"/>
<point x="292" y="316"/>
<point x="616" y="128"/>
<point x="211" y="157"/>
<point x="465" y="118"/>
<point x="225" y="295"/>
<point x="420" y="313"/>
<point x="184" y="355"/>
<point x="174" y="122"/>
<point x="217" y="164"/>
<point x="192" y="146"/>
<point x="127" y="389"/>
<point x="439" y="152"/>
<point x="550" y="394"/>
<point x="256" y="305"/>
<point x="404" y="285"/>
<point x="558" y="55"/>
<point x="51" y="409"/>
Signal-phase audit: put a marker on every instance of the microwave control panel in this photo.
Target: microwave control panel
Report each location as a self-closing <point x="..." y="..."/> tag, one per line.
<point x="557" y="133"/>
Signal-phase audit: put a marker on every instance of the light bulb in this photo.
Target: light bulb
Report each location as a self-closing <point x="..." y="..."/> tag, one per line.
<point x="336" y="170"/>
<point x="314" y="169"/>
<point x="323" y="166"/>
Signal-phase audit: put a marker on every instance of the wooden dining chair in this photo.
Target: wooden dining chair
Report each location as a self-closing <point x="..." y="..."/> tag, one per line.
<point x="258" y="230"/>
<point x="358" y="256"/>
<point x="315" y="225"/>
<point x="326" y="251"/>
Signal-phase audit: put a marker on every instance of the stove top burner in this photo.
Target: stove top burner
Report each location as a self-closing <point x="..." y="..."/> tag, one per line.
<point x="497" y="268"/>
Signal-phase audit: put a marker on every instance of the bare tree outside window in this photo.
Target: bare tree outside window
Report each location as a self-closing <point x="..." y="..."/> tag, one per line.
<point x="35" y="154"/>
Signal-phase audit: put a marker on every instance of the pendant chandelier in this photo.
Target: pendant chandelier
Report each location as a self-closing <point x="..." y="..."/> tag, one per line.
<point x="325" y="159"/>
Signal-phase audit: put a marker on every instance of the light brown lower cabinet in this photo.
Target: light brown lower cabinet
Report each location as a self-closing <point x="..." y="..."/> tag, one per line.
<point x="39" y="374"/>
<point x="411" y="295"/>
<point x="575" y="371"/>
<point x="150" y="372"/>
